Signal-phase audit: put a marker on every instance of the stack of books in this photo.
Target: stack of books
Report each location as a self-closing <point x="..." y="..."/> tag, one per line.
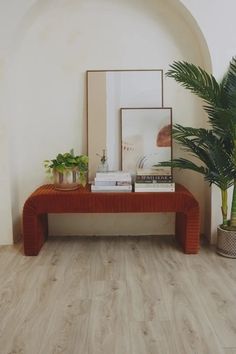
<point x="154" y="180"/>
<point x="112" y="181"/>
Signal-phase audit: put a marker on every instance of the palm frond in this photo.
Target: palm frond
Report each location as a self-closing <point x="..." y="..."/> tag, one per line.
<point x="184" y="164"/>
<point x="221" y="116"/>
<point x="212" y="177"/>
<point x="197" y="141"/>
<point x="220" y="98"/>
<point x="208" y="138"/>
<point x="216" y="162"/>
<point x="230" y="83"/>
<point x="198" y="135"/>
<point x="197" y="80"/>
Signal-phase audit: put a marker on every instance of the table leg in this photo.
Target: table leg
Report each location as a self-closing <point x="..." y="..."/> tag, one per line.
<point x="187" y="231"/>
<point x="35" y="229"/>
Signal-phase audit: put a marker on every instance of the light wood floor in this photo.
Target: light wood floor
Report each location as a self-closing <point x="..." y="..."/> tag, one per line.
<point x="116" y="296"/>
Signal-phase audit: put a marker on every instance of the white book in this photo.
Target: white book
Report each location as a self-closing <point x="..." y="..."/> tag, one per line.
<point x="112" y="191"/>
<point x="127" y="188"/>
<point x="113" y="178"/>
<point x="98" y="182"/>
<point x="158" y="171"/>
<point x="113" y="174"/>
<point x="104" y="183"/>
<point x="155" y="190"/>
<point x="154" y="185"/>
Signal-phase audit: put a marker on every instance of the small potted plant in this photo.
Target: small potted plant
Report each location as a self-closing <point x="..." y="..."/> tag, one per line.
<point x="67" y="170"/>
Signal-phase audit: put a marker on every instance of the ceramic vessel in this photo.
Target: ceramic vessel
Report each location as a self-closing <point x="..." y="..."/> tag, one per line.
<point x="67" y="180"/>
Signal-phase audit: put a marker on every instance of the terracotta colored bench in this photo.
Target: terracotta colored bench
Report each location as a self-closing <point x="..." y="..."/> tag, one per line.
<point x="47" y="200"/>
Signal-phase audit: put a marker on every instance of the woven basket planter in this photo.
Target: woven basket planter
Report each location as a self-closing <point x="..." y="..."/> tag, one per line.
<point x="226" y="243"/>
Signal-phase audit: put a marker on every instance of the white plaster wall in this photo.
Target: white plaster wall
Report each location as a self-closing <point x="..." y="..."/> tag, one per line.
<point x="47" y="47"/>
<point x="6" y="232"/>
<point x="6" y="235"/>
<point x="216" y="21"/>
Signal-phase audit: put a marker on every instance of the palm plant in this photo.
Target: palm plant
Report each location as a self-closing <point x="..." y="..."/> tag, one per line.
<point x="215" y="148"/>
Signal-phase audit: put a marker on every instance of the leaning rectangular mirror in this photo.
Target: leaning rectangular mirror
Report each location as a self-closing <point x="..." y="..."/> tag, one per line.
<point x="107" y="92"/>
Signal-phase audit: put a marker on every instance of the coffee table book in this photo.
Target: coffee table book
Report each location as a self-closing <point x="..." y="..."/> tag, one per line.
<point x="148" y="175"/>
<point x="154" y="187"/>
<point x="124" y="188"/>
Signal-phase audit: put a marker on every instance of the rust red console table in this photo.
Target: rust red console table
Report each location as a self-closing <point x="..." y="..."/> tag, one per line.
<point x="47" y="200"/>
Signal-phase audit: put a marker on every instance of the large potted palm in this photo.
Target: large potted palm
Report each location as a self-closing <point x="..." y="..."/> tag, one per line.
<point x="215" y="148"/>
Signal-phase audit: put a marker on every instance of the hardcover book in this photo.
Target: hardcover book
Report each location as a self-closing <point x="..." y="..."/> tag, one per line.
<point x="120" y="174"/>
<point x="153" y="178"/>
<point x="98" y="182"/>
<point x="114" y="176"/>
<point x="156" y="187"/>
<point x="158" y="171"/>
<point x="127" y="188"/>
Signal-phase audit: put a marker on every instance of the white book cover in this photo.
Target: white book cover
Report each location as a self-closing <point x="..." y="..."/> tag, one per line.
<point x="111" y="188"/>
<point x="111" y="183"/>
<point x="158" y="171"/>
<point x="155" y="185"/>
<point x="112" y="191"/>
<point x="113" y="178"/>
<point x="137" y="190"/>
<point x="98" y="182"/>
<point x="113" y="174"/>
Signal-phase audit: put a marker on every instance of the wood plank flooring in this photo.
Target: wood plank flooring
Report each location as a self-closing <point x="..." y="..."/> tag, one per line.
<point x="116" y="295"/>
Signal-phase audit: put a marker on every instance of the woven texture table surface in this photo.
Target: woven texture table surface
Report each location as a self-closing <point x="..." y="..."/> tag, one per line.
<point x="47" y="199"/>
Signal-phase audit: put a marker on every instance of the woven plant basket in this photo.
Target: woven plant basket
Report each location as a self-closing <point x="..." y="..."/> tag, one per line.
<point x="226" y="243"/>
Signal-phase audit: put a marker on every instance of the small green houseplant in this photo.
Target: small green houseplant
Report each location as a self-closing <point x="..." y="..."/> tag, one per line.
<point x="215" y="147"/>
<point x="68" y="170"/>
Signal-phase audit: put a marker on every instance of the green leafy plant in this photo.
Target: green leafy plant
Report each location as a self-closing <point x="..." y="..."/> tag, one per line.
<point x="68" y="161"/>
<point x="215" y="148"/>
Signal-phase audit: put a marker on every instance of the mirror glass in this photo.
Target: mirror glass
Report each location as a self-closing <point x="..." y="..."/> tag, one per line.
<point x="107" y="92"/>
<point x="146" y="139"/>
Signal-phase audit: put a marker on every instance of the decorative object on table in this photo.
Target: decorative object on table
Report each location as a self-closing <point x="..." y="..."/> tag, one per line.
<point x="67" y="170"/>
<point x="154" y="187"/>
<point x="146" y="137"/>
<point x="113" y="181"/>
<point x="214" y="147"/>
<point x="154" y="174"/>
<point x="103" y="164"/>
<point x="107" y="92"/>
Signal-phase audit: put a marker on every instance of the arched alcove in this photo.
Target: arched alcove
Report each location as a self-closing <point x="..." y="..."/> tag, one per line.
<point x="54" y="43"/>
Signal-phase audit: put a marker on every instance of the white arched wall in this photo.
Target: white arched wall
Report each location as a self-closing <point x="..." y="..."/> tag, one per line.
<point x="51" y="47"/>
